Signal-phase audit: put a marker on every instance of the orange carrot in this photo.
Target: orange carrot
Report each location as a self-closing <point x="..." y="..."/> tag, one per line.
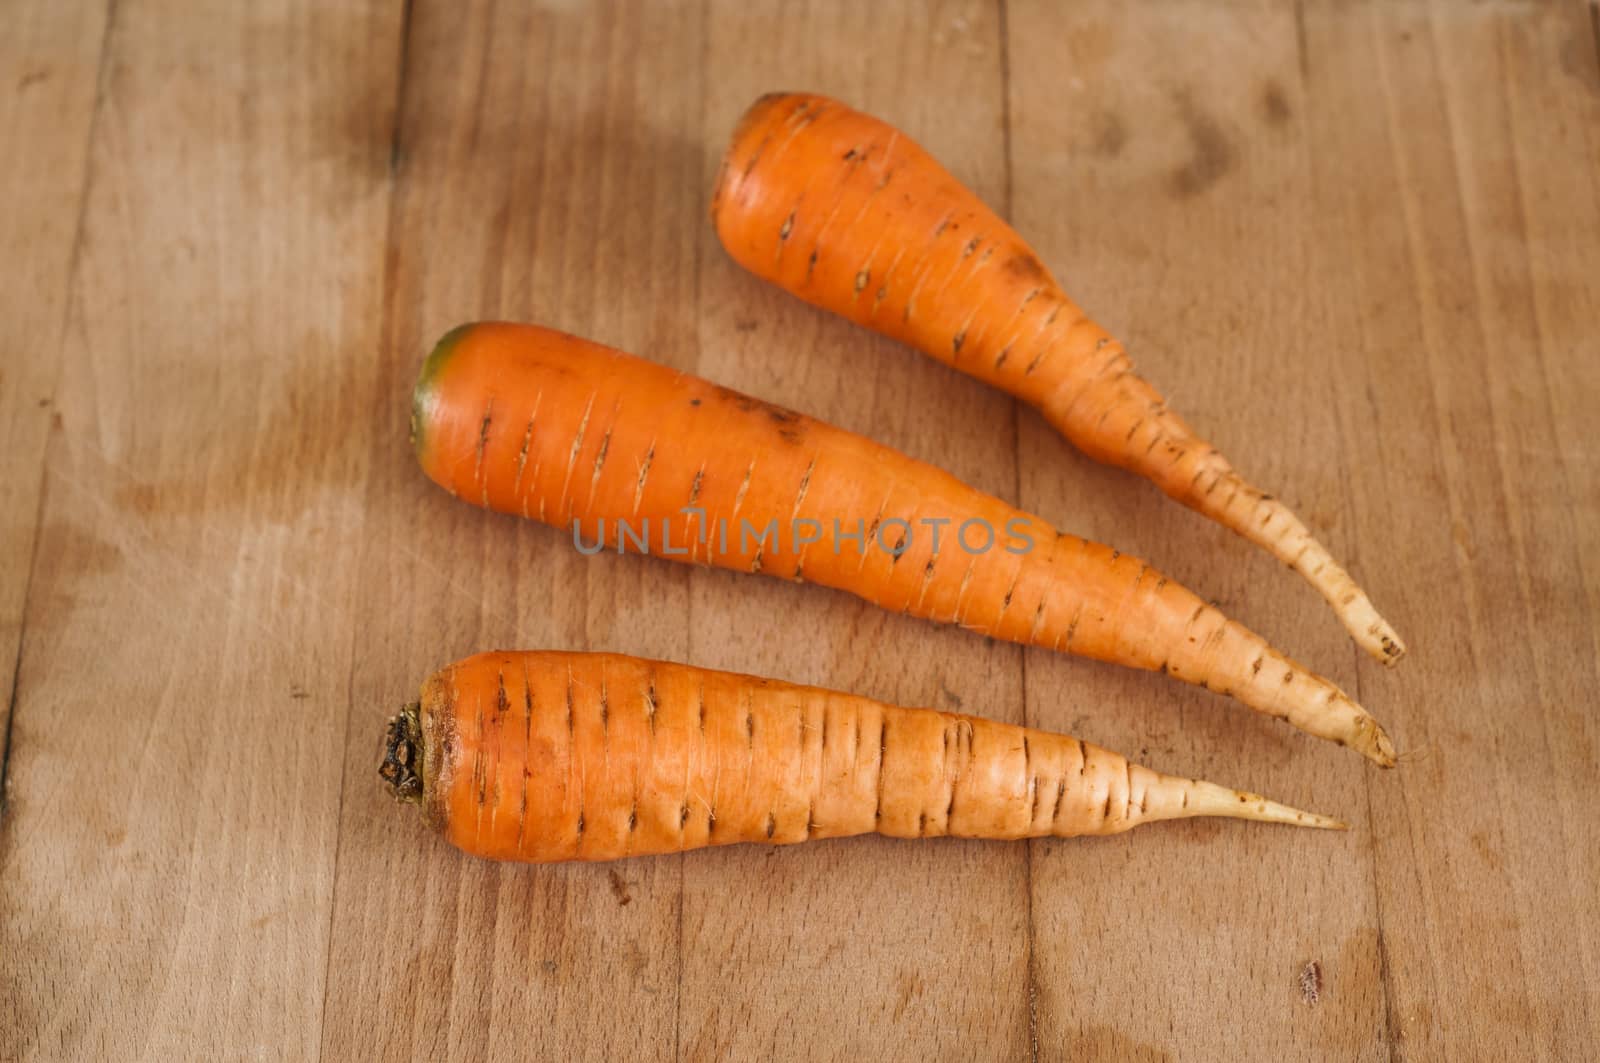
<point x="541" y="757"/>
<point x="849" y="214"/>
<point x="633" y="455"/>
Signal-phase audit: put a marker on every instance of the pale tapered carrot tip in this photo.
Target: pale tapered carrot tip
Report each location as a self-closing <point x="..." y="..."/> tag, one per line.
<point x="1373" y="743"/>
<point x="1372" y="632"/>
<point x="1210" y="799"/>
<point x="1383" y="749"/>
<point x="1343" y="721"/>
<point x="1272" y="812"/>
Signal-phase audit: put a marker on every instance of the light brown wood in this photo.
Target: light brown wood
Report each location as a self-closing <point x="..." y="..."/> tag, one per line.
<point x="49" y="60"/>
<point x="1357" y="244"/>
<point x="168" y="847"/>
<point x="547" y="171"/>
<point x="1479" y="132"/>
<point x="920" y="952"/>
<point x="1175" y="206"/>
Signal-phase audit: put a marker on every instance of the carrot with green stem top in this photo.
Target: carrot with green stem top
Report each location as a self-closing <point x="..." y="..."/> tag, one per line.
<point x="544" y="756"/>
<point x="634" y="456"/>
<point x="846" y="212"/>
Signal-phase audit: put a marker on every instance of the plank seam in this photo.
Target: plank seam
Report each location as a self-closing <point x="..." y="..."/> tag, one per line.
<point x="1401" y="177"/>
<point x="1031" y="988"/>
<point x="689" y="582"/>
<point x="1377" y="893"/>
<point x="1352" y="552"/>
<point x="338" y="850"/>
<point x="6" y="744"/>
<point x="1594" y="31"/>
<point x="1302" y="52"/>
<point x="70" y="278"/>
<point x="395" y="153"/>
<point x="349" y="700"/>
<point x="1515" y="519"/>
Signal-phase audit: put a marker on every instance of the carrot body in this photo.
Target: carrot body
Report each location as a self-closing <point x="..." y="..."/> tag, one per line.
<point x="850" y="215"/>
<point x="526" y="420"/>
<point x="546" y="757"/>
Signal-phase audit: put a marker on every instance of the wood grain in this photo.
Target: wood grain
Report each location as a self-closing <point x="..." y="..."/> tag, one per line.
<point x="1175" y="206"/>
<point x="1477" y="352"/>
<point x="49" y="68"/>
<point x="856" y="931"/>
<point x="167" y="855"/>
<point x="548" y="170"/>
<point x="1356" y="243"/>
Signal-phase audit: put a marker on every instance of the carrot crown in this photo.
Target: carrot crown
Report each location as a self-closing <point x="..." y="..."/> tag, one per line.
<point x="431" y="368"/>
<point x="402" y="747"/>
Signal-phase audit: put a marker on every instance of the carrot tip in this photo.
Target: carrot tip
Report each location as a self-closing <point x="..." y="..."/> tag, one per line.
<point x="1393" y="650"/>
<point x="1319" y="822"/>
<point x="1381" y="642"/>
<point x="1370" y="630"/>
<point x="1210" y="799"/>
<point x="1273" y="812"/>
<point x="1363" y="734"/>
<point x="1383" y="753"/>
<point x="1264" y="811"/>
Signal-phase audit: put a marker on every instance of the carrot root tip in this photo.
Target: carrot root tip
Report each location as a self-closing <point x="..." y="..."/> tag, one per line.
<point x="402" y="754"/>
<point x="1383" y="753"/>
<point x="1393" y="650"/>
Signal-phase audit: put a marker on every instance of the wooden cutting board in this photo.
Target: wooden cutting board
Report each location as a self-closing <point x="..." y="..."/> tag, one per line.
<point x="1358" y="245"/>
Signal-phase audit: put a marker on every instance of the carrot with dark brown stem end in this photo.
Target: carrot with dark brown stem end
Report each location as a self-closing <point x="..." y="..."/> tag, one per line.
<point x="631" y="454"/>
<point x="544" y="756"/>
<point x="846" y="212"/>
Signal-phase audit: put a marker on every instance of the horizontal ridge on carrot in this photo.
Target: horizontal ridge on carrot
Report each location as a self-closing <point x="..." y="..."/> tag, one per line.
<point x="846" y="212"/>
<point x="547" y="756"/>
<point x="631" y="455"/>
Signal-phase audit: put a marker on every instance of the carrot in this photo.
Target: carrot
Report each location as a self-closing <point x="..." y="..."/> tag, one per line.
<point x="544" y="756"/>
<point x="640" y="458"/>
<point x="850" y="215"/>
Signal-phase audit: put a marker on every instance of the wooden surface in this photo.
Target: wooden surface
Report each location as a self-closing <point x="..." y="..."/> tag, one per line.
<point x="1358" y="244"/>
